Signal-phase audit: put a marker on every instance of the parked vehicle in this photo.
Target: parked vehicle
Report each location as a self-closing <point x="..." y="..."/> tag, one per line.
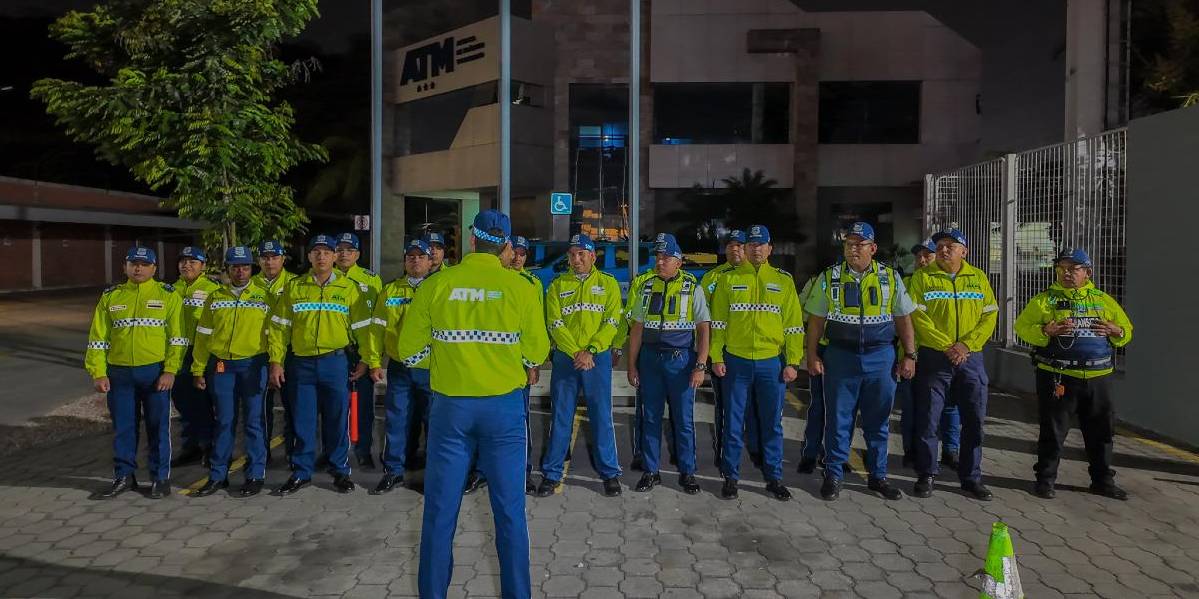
<point x="548" y="259"/>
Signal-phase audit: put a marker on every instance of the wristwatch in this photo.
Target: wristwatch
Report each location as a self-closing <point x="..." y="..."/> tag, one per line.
<point x="591" y="349"/>
<point x="913" y="355"/>
<point x="701" y="367"/>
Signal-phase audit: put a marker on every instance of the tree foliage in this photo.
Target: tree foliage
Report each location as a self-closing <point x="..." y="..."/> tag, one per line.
<point x="750" y="199"/>
<point x="1165" y="55"/>
<point x="189" y="105"/>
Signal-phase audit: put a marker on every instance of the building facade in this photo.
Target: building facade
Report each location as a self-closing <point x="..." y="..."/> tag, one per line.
<point x="749" y="110"/>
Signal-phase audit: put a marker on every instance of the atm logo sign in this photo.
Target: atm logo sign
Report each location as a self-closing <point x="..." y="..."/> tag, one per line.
<point x="424" y="64"/>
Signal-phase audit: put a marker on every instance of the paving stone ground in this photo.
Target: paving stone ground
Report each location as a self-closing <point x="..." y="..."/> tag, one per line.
<point x="55" y="542"/>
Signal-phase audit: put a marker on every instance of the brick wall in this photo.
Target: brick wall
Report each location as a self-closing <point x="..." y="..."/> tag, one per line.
<point x="16" y="255"/>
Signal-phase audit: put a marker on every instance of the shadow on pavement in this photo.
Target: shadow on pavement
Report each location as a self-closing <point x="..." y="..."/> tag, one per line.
<point x="27" y="579"/>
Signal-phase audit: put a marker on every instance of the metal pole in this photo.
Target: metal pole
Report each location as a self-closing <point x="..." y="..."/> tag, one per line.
<point x="376" y="224"/>
<point x="505" y="106"/>
<point x="634" y="144"/>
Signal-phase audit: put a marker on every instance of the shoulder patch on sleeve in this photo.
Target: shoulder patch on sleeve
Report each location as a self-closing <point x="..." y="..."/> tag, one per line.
<point x="112" y="289"/>
<point x="369" y="272"/>
<point x="169" y="288"/>
<point x="782" y="272"/>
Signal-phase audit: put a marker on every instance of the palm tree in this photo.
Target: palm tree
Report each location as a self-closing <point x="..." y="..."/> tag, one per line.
<point x="750" y="199"/>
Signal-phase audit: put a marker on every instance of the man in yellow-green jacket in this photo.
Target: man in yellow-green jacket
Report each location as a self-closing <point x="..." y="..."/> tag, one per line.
<point x="318" y="316"/>
<point x="1075" y="329"/>
<point x="955" y="315"/>
<point x="734" y="252"/>
<point x="274" y="279"/>
<point x="230" y="363"/>
<point x="408" y="393"/>
<point x="194" y="405"/>
<point x="479" y="325"/>
<point x="757" y="346"/>
<point x="583" y="307"/>
<point x="370" y="285"/>
<point x="134" y="348"/>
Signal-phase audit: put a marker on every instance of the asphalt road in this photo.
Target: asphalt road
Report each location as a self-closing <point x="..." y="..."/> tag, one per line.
<point x="42" y="340"/>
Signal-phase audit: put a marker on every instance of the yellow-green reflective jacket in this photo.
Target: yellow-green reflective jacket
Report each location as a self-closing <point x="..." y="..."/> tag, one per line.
<point x="232" y="326"/>
<point x="136" y="325"/>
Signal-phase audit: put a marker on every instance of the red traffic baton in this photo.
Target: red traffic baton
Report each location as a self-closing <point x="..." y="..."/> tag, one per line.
<point x="353" y="416"/>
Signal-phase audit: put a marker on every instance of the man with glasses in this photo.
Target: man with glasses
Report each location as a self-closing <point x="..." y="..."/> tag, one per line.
<point x="955" y="315"/>
<point x="369" y="284"/>
<point x="1074" y="329"/>
<point x="857" y="312"/>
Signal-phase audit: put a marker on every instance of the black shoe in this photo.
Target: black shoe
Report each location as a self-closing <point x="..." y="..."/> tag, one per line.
<point x="637" y="464"/>
<point x="474" y="482"/>
<point x="160" y="489"/>
<point x="1110" y="490"/>
<point x="342" y="483"/>
<point x="366" y="461"/>
<point x="118" y="486"/>
<point x="830" y="489"/>
<point x="755" y="458"/>
<point x="1044" y="489"/>
<point x="978" y="489"/>
<point x="729" y="489"/>
<point x="210" y="487"/>
<point x="778" y="490"/>
<point x="924" y="486"/>
<point x="806" y="466"/>
<point x="612" y="487"/>
<point x="547" y="487"/>
<point x="192" y="454"/>
<point x="949" y="459"/>
<point x="530" y="484"/>
<point x="648" y="481"/>
<point x="252" y="487"/>
<point x="293" y="484"/>
<point x="688" y="483"/>
<point x="387" y="483"/>
<point x="884" y="488"/>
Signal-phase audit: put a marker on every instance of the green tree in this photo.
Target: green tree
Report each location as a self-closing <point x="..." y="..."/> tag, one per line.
<point x="750" y="199"/>
<point x="189" y="105"/>
<point x="1165" y="55"/>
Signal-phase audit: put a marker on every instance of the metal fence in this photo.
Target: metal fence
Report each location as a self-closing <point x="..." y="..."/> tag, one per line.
<point x="1020" y="210"/>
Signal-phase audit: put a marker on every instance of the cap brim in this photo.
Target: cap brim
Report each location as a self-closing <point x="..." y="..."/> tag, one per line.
<point x="142" y="260"/>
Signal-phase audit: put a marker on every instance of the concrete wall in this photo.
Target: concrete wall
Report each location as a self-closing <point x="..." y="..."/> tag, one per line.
<point x="1162" y="180"/>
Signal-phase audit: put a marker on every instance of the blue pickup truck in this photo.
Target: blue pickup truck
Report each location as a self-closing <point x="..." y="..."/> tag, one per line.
<point x="548" y="259"/>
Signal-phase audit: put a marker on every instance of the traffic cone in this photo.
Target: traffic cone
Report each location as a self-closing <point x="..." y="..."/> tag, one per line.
<point x="1001" y="579"/>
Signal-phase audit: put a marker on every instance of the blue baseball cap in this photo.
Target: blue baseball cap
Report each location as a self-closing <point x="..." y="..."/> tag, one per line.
<point x="861" y="229"/>
<point x="665" y="243"/>
<point x="141" y="254"/>
<point x="927" y="245"/>
<point x="519" y="241"/>
<point x="193" y="252"/>
<point x="487" y="220"/>
<point x="433" y="238"/>
<point x="238" y="254"/>
<point x="582" y="240"/>
<point x="419" y="245"/>
<point x="270" y="248"/>
<point x="351" y="239"/>
<point x="758" y="234"/>
<point x="322" y="239"/>
<point x="954" y="234"/>
<point x="1075" y="255"/>
<point x="736" y="235"/>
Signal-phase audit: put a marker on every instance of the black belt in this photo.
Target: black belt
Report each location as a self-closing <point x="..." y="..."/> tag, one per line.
<point x="1096" y="364"/>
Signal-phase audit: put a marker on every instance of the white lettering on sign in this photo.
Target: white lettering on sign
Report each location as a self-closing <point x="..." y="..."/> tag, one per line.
<point x="466" y="294"/>
<point x="450" y="61"/>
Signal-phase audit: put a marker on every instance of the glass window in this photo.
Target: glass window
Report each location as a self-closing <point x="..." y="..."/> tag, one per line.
<point x="722" y="113"/>
<point x="869" y="112"/>
<point x="599" y="116"/>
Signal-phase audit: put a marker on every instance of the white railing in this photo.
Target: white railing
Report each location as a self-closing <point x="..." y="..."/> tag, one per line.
<point x="1020" y="210"/>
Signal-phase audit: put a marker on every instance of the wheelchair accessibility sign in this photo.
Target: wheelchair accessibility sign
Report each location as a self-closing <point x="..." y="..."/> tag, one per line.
<point x="561" y="203"/>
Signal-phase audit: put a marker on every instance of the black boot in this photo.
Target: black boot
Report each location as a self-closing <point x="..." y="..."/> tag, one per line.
<point x="117" y="486"/>
<point x="612" y="487"/>
<point x="160" y="489"/>
<point x="806" y="466"/>
<point x="978" y="490"/>
<point x="343" y="484"/>
<point x="830" y="490"/>
<point x="474" y="482"/>
<point x="778" y="490"/>
<point x="293" y="484"/>
<point x="1043" y="488"/>
<point x="924" y="486"/>
<point x="210" y="487"/>
<point x="387" y="483"/>
<point x="688" y="483"/>
<point x="729" y="489"/>
<point x="547" y="487"/>
<point x="1109" y="490"/>
<point x="252" y="487"/>
<point x="648" y="481"/>
<point x="884" y="488"/>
